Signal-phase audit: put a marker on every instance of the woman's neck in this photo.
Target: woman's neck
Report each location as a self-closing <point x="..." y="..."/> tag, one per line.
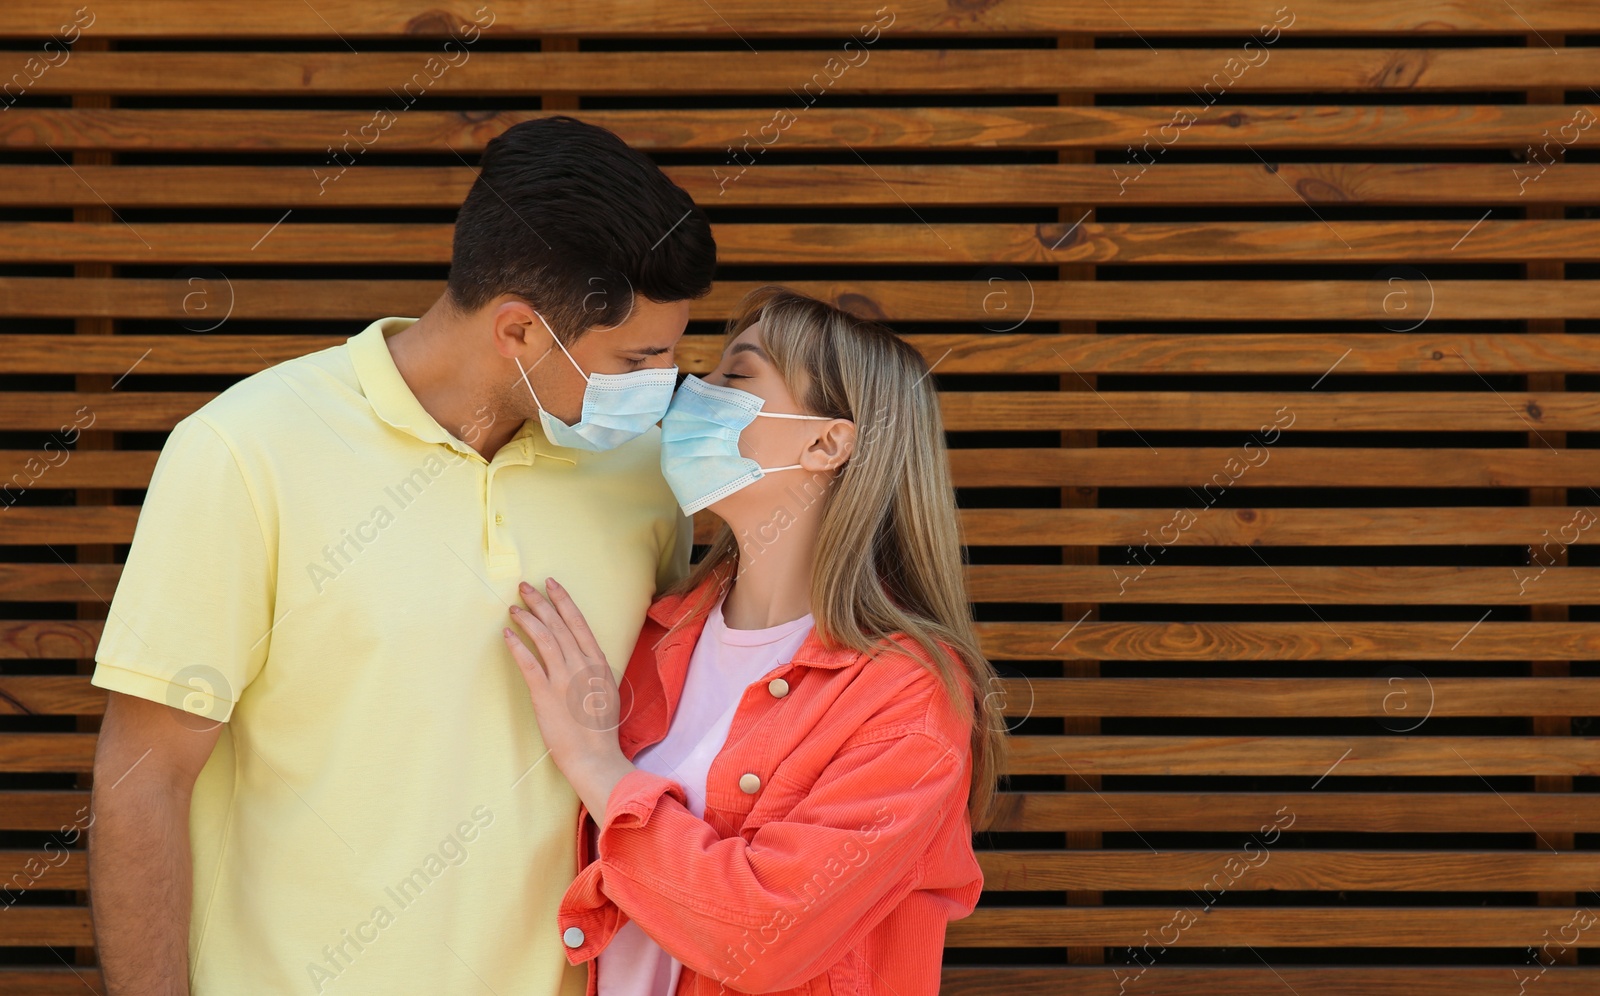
<point x="773" y="585"/>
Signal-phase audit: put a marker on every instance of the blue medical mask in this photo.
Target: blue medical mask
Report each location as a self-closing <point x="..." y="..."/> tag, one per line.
<point x="616" y="407"/>
<point x="700" y="443"/>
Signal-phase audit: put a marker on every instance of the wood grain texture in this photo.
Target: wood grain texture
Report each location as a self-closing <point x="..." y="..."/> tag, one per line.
<point x="885" y="184"/>
<point x="1262" y="126"/>
<point x="237" y="243"/>
<point x="496" y="74"/>
<point x="954" y="353"/>
<point x="733" y="18"/>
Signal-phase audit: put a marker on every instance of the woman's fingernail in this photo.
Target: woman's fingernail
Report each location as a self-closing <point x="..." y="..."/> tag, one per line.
<point x="525" y="586"/>
<point x="551" y="583"/>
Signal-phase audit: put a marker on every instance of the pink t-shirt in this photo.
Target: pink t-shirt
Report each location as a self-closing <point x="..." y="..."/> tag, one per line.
<point x="724" y="663"/>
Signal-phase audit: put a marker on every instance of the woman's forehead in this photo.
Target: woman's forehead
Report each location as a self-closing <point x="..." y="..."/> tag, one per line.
<point x="747" y="341"/>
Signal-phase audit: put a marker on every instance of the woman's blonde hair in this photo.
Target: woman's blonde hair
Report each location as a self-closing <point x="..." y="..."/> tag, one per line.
<point x="888" y="557"/>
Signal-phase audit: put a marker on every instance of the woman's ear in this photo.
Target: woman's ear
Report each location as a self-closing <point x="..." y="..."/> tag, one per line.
<point x="832" y="447"/>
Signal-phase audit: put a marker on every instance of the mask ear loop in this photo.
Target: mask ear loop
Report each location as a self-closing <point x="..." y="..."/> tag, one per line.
<point x="563" y="348"/>
<point x="540" y="360"/>
<point x="792" y="466"/>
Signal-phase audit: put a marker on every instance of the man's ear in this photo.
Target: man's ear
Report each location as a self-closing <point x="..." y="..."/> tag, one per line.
<point x="517" y="330"/>
<point x="833" y="445"/>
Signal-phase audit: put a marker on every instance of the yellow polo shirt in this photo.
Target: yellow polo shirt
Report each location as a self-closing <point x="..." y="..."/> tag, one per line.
<point x="322" y="565"/>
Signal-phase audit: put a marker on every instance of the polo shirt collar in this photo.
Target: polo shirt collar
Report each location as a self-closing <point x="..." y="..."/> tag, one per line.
<point x="391" y="398"/>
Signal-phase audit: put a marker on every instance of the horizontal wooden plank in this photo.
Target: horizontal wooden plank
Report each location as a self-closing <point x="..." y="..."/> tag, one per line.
<point x="28" y="470"/>
<point x="98" y="411"/>
<point x="1342" y="639"/>
<point x="72" y="752"/>
<point x="61" y="526"/>
<point x="1000" y="302"/>
<point x="1263" y="866"/>
<point x="1197" y="467"/>
<point x="58" y="639"/>
<point x="1148" y="531"/>
<point x="37" y="926"/>
<point x="1535" y="584"/>
<point x="55" y="868"/>
<point x="1029" y="583"/>
<point x="991" y="352"/>
<point x="1401" y="699"/>
<point x="971" y="411"/>
<point x="43" y="811"/>
<point x="42" y="980"/>
<point x="1282" y="585"/>
<point x="886" y="184"/>
<point x="1117" y="527"/>
<point x="1277" y="926"/>
<point x="58" y="582"/>
<point x="237" y="243"/>
<point x="1311" y="757"/>
<point x="1347" y="640"/>
<point x="49" y="695"/>
<point x="1125" y="976"/>
<point x="738" y="18"/>
<point x="861" y="70"/>
<point x="1114" y="128"/>
<point x="1285" y="466"/>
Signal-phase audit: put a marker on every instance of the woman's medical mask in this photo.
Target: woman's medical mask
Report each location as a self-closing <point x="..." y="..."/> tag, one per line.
<point x="616" y="407"/>
<point x="700" y="443"/>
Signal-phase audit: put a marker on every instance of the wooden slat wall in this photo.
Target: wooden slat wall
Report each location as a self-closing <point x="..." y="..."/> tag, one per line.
<point x="1377" y="629"/>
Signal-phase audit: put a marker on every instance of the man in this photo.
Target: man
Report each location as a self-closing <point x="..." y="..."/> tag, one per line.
<point x="319" y="770"/>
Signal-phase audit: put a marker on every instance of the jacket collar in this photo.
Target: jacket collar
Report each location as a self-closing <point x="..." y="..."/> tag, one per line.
<point x="688" y="611"/>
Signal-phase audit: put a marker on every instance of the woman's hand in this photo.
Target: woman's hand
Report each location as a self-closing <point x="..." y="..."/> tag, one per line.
<point x="574" y="694"/>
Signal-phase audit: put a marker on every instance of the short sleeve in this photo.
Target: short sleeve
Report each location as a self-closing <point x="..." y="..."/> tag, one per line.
<point x="674" y="564"/>
<point x="191" y="618"/>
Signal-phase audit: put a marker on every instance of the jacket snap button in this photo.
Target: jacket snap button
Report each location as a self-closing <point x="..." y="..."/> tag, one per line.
<point x="778" y="687"/>
<point x="749" y="784"/>
<point x="572" y="937"/>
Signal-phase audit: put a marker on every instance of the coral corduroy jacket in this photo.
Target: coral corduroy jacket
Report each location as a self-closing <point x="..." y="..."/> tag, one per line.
<point x="836" y="844"/>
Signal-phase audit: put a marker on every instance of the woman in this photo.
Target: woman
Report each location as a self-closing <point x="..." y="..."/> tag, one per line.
<point x="784" y="788"/>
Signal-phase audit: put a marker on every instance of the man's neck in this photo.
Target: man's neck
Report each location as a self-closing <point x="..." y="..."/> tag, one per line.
<point x="447" y="375"/>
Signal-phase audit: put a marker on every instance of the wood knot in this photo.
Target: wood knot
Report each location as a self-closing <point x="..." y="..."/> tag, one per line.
<point x="1316" y="189"/>
<point x="861" y="306"/>
<point x="432" y="22"/>
<point x="1059" y="235"/>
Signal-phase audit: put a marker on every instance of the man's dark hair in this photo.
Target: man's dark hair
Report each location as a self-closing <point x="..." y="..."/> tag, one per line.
<point x="566" y="215"/>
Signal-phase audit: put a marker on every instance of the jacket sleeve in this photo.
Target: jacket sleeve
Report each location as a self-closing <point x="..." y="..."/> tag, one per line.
<point x="778" y="909"/>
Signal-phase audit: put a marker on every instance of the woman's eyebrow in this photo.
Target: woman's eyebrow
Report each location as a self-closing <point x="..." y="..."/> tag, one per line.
<point x="747" y="347"/>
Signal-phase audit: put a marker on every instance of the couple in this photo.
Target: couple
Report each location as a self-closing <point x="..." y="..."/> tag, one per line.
<point x="365" y="732"/>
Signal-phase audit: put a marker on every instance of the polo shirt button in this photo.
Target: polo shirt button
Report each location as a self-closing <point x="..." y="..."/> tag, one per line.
<point x="572" y="937"/>
<point x="778" y="687"/>
<point x="499" y="519"/>
<point x="749" y="784"/>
